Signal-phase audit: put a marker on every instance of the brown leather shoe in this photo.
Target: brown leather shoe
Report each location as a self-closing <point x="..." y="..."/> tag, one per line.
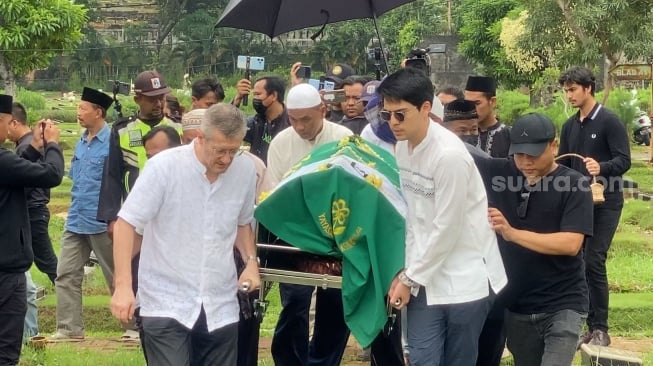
<point x="600" y="338"/>
<point x="584" y="339"/>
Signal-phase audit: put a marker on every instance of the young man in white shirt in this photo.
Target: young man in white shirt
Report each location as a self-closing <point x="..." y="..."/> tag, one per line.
<point x="452" y="258"/>
<point x="187" y="278"/>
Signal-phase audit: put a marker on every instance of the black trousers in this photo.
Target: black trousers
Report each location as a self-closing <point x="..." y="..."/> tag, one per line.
<point x="290" y="344"/>
<point x="386" y="349"/>
<point x="168" y="343"/>
<point x="606" y="220"/>
<point x="44" y="257"/>
<point x="13" y="306"/>
<point x="492" y="340"/>
<point x="248" y="335"/>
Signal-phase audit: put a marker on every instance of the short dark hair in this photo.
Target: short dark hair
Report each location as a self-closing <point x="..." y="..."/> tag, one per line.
<point x="201" y="87"/>
<point x="18" y="113"/>
<point x="354" y="79"/>
<point x="274" y="84"/>
<point x="407" y="84"/>
<point x="171" y="133"/>
<point x="579" y="75"/>
<point x="451" y="90"/>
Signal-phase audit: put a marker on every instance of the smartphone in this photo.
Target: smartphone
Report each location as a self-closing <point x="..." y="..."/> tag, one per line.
<point x="304" y="72"/>
<point x="334" y="96"/>
<point x="322" y="84"/>
<point x="251" y="63"/>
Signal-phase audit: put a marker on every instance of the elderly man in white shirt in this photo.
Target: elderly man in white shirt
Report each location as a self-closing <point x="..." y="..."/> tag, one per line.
<point x="187" y="277"/>
<point x="290" y="344"/>
<point x="452" y="257"/>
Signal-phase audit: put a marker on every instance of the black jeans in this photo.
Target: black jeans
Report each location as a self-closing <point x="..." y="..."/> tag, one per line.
<point x="168" y="343"/>
<point x="290" y="345"/>
<point x="13" y="306"/>
<point x="44" y="257"/>
<point x="596" y="251"/>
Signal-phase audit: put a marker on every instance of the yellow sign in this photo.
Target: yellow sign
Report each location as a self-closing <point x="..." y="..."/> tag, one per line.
<point x="631" y="72"/>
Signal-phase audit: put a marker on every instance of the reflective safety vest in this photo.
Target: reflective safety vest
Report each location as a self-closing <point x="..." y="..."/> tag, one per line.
<point x="131" y="140"/>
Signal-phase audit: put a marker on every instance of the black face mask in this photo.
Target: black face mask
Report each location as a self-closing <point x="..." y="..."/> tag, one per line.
<point x="470" y="139"/>
<point x="259" y="107"/>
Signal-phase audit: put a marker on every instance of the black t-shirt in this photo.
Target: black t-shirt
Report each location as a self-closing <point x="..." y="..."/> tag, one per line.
<point x="560" y="202"/>
<point x="603" y="137"/>
<point x="260" y="133"/>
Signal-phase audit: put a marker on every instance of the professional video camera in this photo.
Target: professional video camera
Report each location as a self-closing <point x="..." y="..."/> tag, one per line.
<point x="419" y="59"/>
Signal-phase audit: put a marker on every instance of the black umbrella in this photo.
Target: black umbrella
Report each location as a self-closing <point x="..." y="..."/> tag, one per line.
<point x="275" y="17"/>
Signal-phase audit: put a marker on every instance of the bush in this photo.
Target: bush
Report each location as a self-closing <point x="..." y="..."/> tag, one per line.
<point x="30" y="100"/>
<point x="511" y="105"/>
<point x="622" y="102"/>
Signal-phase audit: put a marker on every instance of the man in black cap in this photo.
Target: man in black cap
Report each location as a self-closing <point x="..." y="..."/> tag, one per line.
<point x="39" y="215"/>
<point x="494" y="137"/>
<point x="83" y="233"/>
<point x="126" y="152"/>
<point x="597" y="134"/>
<point x="543" y="213"/>
<point x="17" y="173"/>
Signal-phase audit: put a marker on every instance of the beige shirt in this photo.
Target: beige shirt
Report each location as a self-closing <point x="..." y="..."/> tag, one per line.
<point x="287" y="148"/>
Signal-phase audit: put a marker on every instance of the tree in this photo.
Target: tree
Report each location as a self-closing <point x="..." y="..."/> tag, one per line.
<point x="34" y="31"/>
<point x="480" y="31"/>
<point x="612" y="29"/>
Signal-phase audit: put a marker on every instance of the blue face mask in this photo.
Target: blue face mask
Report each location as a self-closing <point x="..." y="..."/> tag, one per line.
<point x="380" y="127"/>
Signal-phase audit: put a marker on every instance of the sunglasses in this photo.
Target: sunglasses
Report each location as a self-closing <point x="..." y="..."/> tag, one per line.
<point x="399" y="115"/>
<point x="525" y="195"/>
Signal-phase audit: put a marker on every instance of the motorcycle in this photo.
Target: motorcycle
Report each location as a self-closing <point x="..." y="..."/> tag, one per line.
<point x="641" y="126"/>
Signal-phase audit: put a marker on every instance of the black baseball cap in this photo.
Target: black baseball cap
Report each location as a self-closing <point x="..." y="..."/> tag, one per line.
<point x="339" y="73"/>
<point x="150" y="83"/>
<point x="530" y="134"/>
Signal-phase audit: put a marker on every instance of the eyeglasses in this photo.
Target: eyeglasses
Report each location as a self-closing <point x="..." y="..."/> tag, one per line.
<point x="220" y="153"/>
<point x="399" y="115"/>
<point x="525" y="195"/>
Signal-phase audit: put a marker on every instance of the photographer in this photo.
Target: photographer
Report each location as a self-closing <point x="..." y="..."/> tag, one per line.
<point x="17" y="173"/>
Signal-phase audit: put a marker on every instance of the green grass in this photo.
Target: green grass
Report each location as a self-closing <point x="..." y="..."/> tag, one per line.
<point x="642" y="173"/>
<point x="68" y="355"/>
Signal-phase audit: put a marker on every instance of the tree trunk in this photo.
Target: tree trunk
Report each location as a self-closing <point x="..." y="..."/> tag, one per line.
<point x="7" y="75"/>
<point x="609" y="81"/>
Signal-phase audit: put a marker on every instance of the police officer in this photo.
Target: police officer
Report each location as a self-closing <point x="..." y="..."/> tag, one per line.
<point x="126" y="151"/>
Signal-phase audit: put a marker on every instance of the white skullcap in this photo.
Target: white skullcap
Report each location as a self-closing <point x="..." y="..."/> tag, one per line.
<point x="437" y="108"/>
<point x="303" y="96"/>
<point x="192" y="120"/>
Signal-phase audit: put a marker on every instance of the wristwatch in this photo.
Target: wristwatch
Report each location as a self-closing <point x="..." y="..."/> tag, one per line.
<point x="406" y="280"/>
<point x="252" y="258"/>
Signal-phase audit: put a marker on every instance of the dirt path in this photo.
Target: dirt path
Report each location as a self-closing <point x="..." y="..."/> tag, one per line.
<point x="642" y="345"/>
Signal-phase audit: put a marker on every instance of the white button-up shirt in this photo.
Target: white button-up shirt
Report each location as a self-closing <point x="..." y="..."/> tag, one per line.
<point x="451" y="248"/>
<point x="190" y="226"/>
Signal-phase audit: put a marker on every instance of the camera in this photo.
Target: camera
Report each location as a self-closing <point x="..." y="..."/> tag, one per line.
<point x="118" y="87"/>
<point x="419" y="59"/>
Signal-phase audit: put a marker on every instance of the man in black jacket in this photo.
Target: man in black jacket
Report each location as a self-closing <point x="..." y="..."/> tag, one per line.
<point x="16" y="255"/>
<point x="37" y="198"/>
<point x="597" y="134"/>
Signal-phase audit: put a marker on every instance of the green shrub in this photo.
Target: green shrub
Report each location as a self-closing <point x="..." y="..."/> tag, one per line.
<point x="30" y="100"/>
<point x="622" y="102"/>
<point x="511" y="105"/>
